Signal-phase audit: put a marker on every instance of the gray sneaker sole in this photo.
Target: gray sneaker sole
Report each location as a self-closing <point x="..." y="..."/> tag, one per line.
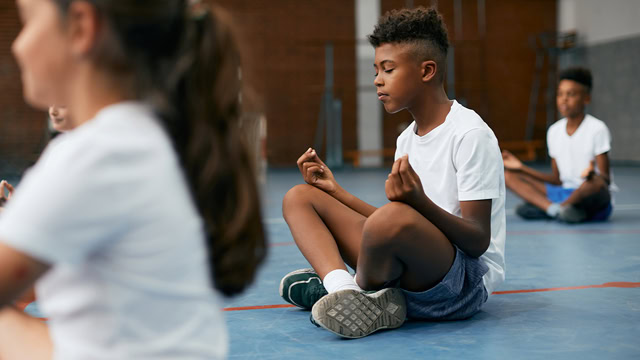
<point x="352" y="314"/>
<point x="572" y="215"/>
<point x="287" y="298"/>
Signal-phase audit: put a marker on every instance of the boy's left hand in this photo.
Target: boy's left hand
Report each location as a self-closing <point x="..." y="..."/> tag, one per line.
<point x="403" y="184"/>
<point x="5" y="187"/>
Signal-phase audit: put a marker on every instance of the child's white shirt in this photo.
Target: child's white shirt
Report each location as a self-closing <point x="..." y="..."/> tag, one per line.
<point x="108" y="206"/>
<point x="460" y="161"/>
<point x="573" y="154"/>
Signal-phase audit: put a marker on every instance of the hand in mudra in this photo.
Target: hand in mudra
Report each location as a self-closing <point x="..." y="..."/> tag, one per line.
<point x="511" y="162"/>
<point x="315" y="172"/>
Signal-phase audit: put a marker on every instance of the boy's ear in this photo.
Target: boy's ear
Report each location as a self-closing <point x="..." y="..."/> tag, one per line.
<point x="429" y="69"/>
<point x="82" y="27"/>
<point x="587" y="98"/>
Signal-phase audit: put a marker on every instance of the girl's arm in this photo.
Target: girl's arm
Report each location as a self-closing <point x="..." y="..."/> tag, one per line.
<point x="471" y="232"/>
<point x="18" y="272"/>
<point x="317" y="174"/>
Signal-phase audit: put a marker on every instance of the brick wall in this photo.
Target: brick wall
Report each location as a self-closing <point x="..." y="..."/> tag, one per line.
<point x="283" y="42"/>
<point x="22" y="129"/>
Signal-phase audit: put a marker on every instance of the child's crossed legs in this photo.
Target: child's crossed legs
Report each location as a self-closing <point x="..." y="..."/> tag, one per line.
<point x="394" y="243"/>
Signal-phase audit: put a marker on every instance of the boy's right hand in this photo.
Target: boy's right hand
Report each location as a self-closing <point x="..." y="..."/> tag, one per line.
<point x="511" y="162"/>
<point x="316" y="173"/>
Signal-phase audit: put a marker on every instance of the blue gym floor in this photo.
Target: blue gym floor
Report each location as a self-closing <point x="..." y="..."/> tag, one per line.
<point x="585" y="302"/>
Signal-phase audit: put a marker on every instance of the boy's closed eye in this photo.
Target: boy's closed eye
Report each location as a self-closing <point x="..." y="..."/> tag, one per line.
<point x="388" y="71"/>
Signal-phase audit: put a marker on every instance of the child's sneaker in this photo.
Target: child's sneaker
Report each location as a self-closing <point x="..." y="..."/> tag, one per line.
<point x="354" y="314"/>
<point x="572" y="214"/>
<point x="302" y="288"/>
<point x="529" y="211"/>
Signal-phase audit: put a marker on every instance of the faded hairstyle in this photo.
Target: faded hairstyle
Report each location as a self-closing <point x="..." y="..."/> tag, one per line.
<point x="421" y="28"/>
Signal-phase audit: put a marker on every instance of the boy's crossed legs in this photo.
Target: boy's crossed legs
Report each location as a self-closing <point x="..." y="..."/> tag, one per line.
<point x="395" y="244"/>
<point x="589" y="198"/>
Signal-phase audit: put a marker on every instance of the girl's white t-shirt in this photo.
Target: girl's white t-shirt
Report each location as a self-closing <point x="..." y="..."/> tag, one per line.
<point x="108" y="206"/>
<point x="458" y="161"/>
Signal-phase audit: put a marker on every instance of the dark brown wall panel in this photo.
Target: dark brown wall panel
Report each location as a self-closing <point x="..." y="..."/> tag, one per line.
<point x="283" y="42"/>
<point x="22" y="129"/>
<point x="494" y="65"/>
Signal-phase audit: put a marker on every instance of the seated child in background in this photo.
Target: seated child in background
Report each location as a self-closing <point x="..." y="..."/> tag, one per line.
<point x="577" y="189"/>
<point x="58" y="123"/>
<point x="58" y="119"/>
<point x="436" y="251"/>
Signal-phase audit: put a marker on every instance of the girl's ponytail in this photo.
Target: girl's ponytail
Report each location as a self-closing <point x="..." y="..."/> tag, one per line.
<point x="204" y="94"/>
<point x="182" y="58"/>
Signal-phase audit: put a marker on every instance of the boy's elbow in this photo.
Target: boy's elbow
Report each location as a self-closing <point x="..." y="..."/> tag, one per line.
<point x="480" y="248"/>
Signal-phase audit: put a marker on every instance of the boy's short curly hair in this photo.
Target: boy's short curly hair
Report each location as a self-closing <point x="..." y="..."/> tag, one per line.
<point x="581" y="75"/>
<point x="419" y="26"/>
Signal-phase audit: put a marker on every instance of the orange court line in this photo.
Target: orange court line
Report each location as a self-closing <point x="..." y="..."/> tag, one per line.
<point x="259" y="307"/>
<point x="617" y="284"/>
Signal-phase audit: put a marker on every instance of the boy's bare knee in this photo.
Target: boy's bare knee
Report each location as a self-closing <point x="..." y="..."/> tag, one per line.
<point x="297" y="195"/>
<point x="384" y="225"/>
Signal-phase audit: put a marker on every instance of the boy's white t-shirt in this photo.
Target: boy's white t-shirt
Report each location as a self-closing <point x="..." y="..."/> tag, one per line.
<point x="574" y="153"/>
<point x="108" y="206"/>
<point x="460" y="161"/>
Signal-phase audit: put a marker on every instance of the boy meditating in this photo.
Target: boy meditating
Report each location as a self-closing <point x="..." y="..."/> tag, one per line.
<point x="577" y="189"/>
<point x="436" y="250"/>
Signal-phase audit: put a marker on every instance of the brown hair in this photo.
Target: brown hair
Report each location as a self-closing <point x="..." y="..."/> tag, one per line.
<point x="184" y="61"/>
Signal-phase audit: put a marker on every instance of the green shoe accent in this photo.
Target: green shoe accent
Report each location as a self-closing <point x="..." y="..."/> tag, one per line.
<point x="302" y="288"/>
<point x="354" y="314"/>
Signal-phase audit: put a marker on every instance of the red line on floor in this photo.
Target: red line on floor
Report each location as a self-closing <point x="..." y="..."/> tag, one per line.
<point x="618" y="284"/>
<point x="260" y="307"/>
<point x="605" y="285"/>
<point x="573" y="231"/>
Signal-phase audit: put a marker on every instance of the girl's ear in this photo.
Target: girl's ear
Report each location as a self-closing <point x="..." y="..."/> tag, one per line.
<point x="429" y="69"/>
<point x="83" y="27"/>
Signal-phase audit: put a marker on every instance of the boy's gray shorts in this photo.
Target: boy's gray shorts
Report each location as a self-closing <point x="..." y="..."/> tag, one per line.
<point x="459" y="295"/>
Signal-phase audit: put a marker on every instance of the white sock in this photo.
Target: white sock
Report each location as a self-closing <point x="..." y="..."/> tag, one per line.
<point x="339" y="279"/>
<point x="554" y="209"/>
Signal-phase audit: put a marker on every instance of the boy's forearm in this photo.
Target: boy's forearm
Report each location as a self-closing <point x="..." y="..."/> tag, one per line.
<point x="548" y="178"/>
<point x="466" y="234"/>
<point x="353" y="202"/>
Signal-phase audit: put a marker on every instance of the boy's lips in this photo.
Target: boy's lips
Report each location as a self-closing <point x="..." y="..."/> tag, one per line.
<point x="382" y="95"/>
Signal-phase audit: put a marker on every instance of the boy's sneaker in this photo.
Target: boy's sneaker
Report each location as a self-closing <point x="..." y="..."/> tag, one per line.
<point x="302" y="288"/>
<point x="572" y="214"/>
<point x="355" y="314"/>
<point x="531" y="212"/>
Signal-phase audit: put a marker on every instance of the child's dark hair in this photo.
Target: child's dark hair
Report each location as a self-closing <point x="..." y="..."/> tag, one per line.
<point x="578" y="74"/>
<point x="421" y="27"/>
<point x="184" y="61"/>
